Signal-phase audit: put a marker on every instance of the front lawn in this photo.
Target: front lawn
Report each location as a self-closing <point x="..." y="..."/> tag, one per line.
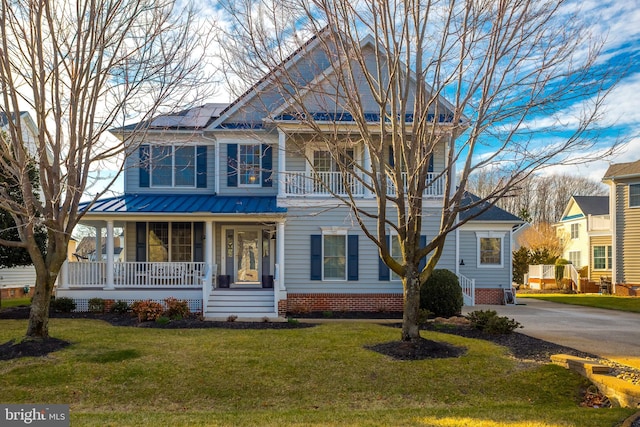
<point x="611" y="302"/>
<point x="14" y="302"/>
<point x="128" y="376"/>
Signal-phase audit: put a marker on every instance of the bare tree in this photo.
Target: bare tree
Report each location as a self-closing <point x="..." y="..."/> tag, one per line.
<point x="464" y="80"/>
<point x="541" y="198"/>
<point x="82" y="67"/>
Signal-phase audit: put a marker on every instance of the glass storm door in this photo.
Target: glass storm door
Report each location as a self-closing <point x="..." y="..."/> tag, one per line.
<point x="248" y="256"/>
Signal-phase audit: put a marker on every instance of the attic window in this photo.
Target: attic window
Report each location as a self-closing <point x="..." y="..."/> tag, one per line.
<point x="634" y="195"/>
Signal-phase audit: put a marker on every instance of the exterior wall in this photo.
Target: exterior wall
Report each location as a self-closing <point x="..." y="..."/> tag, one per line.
<point x="223" y="139"/>
<point x="17" y="277"/>
<point x="304" y="222"/>
<point x="132" y="172"/>
<point x="485" y="277"/>
<point x="598" y="241"/>
<point x="581" y="244"/>
<point x="489" y="296"/>
<point x="382" y="303"/>
<point x="628" y="239"/>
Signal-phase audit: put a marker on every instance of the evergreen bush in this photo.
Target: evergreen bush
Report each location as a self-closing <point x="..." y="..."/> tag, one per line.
<point x="441" y="294"/>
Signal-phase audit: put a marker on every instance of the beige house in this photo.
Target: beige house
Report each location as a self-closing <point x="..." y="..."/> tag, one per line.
<point x="585" y="227"/>
<point x="624" y="183"/>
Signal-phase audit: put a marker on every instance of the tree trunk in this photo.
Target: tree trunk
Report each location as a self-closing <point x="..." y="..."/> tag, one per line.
<point x="410" y="315"/>
<point x="38" y="327"/>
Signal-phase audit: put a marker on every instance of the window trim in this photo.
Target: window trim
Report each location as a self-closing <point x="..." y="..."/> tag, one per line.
<point x="336" y="231"/>
<point x="608" y="257"/>
<point x="634" y="185"/>
<point x="258" y="181"/>
<point x="490" y="235"/>
<point x="173" y="148"/>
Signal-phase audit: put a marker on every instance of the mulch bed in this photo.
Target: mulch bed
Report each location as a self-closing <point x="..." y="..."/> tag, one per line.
<point x="521" y="346"/>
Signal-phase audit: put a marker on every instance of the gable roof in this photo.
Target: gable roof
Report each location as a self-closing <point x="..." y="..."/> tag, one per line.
<point x="622" y="170"/>
<point x="493" y="213"/>
<point x="593" y="205"/>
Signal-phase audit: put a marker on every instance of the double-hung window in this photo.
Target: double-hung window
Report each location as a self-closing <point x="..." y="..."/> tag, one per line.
<point x="249" y="164"/>
<point x="634" y="195"/>
<point x="396" y="253"/>
<point x="334" y="256"/>
<point x="170" y="241"/>
<point x="575" y="231"/>
<point x="173" y="166"/>
<point x="602" y="257"/>
<point x="328" y="172"/>
<point x="490" y="249"/>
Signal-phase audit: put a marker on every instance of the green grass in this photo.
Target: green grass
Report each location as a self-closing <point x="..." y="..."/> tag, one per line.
<point x="14" y="302"/>
<point x="124" y="376"/>
<point x="611" y="302"/>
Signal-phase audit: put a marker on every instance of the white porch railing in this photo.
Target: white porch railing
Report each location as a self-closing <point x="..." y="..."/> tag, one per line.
<point x="328" y="183"/>
<point x="135" y="274"/>
<point x="571" y="272"/>
<point x="542" y="271"/>
<point x="468" y="290"/>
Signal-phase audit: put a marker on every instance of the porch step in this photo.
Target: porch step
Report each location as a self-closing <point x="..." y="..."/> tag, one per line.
<point x="244" y="303"/>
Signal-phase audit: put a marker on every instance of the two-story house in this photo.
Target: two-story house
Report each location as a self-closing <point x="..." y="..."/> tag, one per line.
<point x="624" y="204"/>
<point x="222" y="208"/>
<point x="585" y="229"/>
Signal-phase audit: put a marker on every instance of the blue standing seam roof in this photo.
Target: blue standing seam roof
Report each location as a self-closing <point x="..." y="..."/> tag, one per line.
<point x="185" y="203"/>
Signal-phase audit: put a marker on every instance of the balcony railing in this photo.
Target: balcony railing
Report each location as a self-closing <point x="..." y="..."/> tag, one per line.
<point x="329" y="183"/>
<point x="135" y="274"/>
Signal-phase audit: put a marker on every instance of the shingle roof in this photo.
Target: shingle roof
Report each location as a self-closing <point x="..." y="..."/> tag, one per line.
<point x="622" y="170"/>
<point x="185" y="203"/>
<point x="593" y="205"/>
<point x="493" y="213"/>
<point x="4" y="118"/>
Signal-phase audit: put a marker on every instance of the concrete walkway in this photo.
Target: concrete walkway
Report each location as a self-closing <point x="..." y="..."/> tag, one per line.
<point x="610" y="334"/>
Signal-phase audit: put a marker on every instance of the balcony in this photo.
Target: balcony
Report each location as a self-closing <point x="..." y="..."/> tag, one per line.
<point x="324" y="184"/>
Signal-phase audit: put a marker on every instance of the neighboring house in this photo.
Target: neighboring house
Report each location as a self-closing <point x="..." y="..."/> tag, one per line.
<point x="219" y="212"/>
<point x="86" y="249"/>
<point x="624" y="202"/>
<point x="585" y="228"/>
<point x="28" y="128"/>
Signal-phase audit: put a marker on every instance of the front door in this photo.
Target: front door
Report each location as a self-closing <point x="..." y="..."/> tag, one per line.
<point x="244" y="255"/>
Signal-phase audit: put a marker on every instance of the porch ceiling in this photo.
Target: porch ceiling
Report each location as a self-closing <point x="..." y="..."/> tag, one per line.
<point x="185" y="204"/>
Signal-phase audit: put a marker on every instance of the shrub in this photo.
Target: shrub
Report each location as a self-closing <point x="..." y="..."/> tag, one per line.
<point x="96" y="305"/>
<point x="441" y="294"/>
<point x="176" y="309"/>
<point x="120" y="307"/>
<point x="232" y="318"/>
<point x="480" y="318"/>
<point x="63" y="304"/>
<point x="560" y="263"/>
<point x="489" y="322"/>
<point x="501" y="325"/>
<point x="147" y="310"/>
<point x="423" y="316"/>
<point x="163" y="320"/>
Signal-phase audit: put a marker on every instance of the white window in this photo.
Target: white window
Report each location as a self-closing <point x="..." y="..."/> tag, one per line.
<point x="575" y="231"/>
<point x="396" y="253"/>
<point x="334" y="255"/>
<point x="602" y="258"/>
<point x="173" y="166"/>
<point x="249" y="164"/>
<point x="574" y="257"/>
<point x="490" y="250"/>
<point x="634" y="195"/>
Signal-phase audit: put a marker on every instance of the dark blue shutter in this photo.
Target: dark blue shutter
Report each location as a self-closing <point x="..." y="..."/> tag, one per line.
<point x="423" y="261"/>
<point x="232" y="165"/>
<point x="198" y="242"/>
<point x="267" y="165"/>
<point x="392" y="160"/>
<point x="141" y="241"/>
<point x="144" y="166"/>
<point x="352" y="257"/>
<point x="201" y="166"/>
<point x="316" y="257"/>
<point x="430" y="164"/>
<point x="383" y="270"/>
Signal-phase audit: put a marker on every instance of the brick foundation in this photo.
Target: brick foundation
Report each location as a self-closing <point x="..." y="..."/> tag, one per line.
<point x="489" y="296"/>
<point x="15" y="292"/>
<point x="305" y="303"/>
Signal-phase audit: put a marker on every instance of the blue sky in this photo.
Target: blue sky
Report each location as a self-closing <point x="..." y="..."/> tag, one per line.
<point x="619" y="23"/>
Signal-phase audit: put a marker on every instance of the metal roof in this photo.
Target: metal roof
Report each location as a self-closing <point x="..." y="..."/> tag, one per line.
<point x="184" y="204"/>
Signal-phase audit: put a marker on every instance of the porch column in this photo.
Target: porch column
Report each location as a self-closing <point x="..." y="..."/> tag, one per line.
<point x="109" y="250"/>
<point x="208" y="252"/>
<point x="98" y="252"/>
<point x="63" y="276"/>
<point x="366" y="163"/>
<point x="282" y="163"/>
<point x="280" y="255"/>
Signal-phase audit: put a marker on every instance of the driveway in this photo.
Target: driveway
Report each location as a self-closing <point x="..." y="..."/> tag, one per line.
<point x="611" y="334"/>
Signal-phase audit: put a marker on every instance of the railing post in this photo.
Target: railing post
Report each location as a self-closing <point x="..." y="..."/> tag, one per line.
<point x="109" y="250"/>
